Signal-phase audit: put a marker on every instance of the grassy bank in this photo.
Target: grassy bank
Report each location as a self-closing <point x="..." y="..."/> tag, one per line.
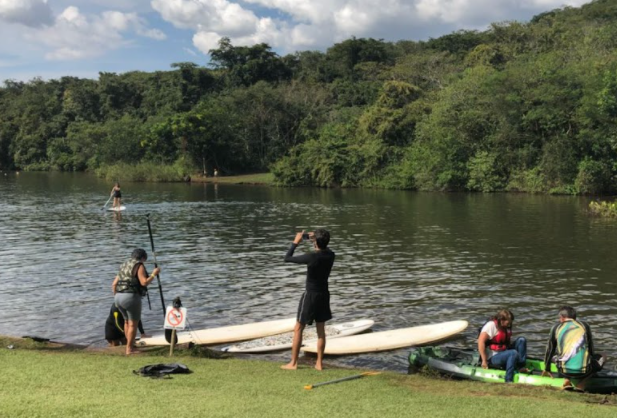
<point x="259" y="178"/>
<point x="144" y="172"/>
<point x="39" y="380"/>
<point x="177" y="172"/>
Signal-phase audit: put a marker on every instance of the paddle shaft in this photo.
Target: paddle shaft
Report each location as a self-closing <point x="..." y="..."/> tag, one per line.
<point x="148" y="296"/>
<point x="158" y="279"/>
<point x="342" y="379"/>
<point x="106" y="203"/>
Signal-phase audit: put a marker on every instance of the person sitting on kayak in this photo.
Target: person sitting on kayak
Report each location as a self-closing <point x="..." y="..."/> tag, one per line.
<point x="570" y="347"/>
<point x="495" y="346"/>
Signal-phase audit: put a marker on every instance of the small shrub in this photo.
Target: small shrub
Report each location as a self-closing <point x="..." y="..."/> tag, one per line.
<point x="483" y="176"/>
<point x="531" y="181"/>
<point x="603" y="209"/>
<point x="593" y="177"/>
<point x="146" y="172"/>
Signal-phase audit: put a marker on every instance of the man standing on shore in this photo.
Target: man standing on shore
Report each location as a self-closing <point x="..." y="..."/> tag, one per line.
<point x="315" y="302"/>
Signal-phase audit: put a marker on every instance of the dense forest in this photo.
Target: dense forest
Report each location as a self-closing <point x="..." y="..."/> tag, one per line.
<point x="518" y="107"/>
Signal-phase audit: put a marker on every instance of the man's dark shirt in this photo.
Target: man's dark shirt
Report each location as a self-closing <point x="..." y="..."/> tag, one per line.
<point x="318" y="267"/>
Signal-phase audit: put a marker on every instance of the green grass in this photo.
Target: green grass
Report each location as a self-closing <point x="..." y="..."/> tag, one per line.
<point x="143" y="172"/>
<point x="259" y="178"/>
<point x="37" y="381"/>
<point x="177" y="172"/>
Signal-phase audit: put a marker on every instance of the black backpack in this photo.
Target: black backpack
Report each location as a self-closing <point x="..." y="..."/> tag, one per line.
<point x="162" y="370"/>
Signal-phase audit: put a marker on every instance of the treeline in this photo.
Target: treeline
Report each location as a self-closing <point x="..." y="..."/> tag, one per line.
<point x="518" y="107"/>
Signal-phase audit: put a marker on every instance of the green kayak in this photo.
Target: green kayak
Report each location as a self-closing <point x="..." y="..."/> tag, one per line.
<point x="464" y="364"/>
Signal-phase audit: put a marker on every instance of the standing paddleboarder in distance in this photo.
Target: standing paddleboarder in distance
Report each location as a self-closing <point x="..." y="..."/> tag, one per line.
<point x="315" y="301"/>
<point x="129" y="287"/>
<point x="117" y="194"/>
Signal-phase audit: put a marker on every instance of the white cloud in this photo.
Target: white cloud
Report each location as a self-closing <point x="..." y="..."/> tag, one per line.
<point x="141" y="6"/>
<point x="60" y="30"/>
<point x="34" y="13"/>
<point x="213" y="19"/>
<point x="299" y="24"/>
<point x="76" y="36"/>
<point x="316" y="11"/>
<point x="205" y="41"/>
<point x="552" y="4"/>
<point x="487" y="11"/>
<point x="208" y="15"/>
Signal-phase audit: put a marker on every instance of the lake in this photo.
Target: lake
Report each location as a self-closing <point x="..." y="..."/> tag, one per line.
<point x="403" y="258"/>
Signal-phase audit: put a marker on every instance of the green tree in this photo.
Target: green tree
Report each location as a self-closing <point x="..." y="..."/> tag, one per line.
<point x="245" y="65"/>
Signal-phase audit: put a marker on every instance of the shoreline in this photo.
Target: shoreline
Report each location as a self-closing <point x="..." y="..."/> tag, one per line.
<point x="257" y="179"/>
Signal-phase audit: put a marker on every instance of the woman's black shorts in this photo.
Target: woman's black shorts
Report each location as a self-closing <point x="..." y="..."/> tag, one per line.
<point x="314" y="306"/>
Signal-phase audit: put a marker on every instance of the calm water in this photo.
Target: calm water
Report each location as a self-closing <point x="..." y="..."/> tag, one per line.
<point x="403" y="258"/>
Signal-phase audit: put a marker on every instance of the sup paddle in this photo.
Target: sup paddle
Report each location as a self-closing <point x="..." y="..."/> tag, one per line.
<point x="168" y="332"/>
<point x="106" y="203"/>
<point x="343" y="379"/>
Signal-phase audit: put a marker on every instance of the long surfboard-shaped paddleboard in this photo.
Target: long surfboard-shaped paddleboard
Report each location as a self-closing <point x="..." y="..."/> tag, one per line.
<point x="222" y="335"/>
<point x="390" y="340"/>
<point x="121" y="208"/>
<point x="284" y="341"/>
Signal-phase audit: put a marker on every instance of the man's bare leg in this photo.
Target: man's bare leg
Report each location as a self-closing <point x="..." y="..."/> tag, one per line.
<point x="295" y="347"/>
<point x="321" y="344"/>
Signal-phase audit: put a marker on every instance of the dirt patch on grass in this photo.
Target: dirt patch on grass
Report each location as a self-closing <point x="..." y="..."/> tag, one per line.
<point x="37" y="343"/>
<point x="43" y="344"/>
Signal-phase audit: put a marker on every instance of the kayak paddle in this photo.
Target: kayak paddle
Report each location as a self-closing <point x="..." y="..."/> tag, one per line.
<point x="343" y="379"/>
<point x="106" y="203"/>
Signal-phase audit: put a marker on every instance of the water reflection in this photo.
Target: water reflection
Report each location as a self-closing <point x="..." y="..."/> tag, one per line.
<point x="403" y="258"/>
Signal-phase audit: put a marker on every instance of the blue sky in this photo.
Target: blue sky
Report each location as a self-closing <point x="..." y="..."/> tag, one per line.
<point x="53" y="38"/>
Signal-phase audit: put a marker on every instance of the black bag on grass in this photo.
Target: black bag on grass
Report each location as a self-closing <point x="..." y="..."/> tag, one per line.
<point x="162" y="370"/>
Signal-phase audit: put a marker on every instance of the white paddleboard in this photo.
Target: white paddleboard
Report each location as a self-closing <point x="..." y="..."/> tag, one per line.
<point x="121" y="208"/>
<point x="390" y="340"/>
<point x="229" y="334"/>
<point x="284" y="341"/>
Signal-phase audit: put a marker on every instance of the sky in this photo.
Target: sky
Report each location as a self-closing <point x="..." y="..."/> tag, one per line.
<point x="55" y="38"/>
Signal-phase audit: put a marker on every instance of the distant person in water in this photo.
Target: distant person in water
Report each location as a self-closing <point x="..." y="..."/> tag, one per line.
<point x="496" y="347"/>
<point x="315" y="302"/>
<point x="216" y="173"/>
<point x="117" y="194"/>
<point x="114" y="328"/>
<point x="129" y="286"/>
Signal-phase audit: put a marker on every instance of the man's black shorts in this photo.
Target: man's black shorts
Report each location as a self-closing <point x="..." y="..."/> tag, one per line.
<point x="314" y="306"/>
